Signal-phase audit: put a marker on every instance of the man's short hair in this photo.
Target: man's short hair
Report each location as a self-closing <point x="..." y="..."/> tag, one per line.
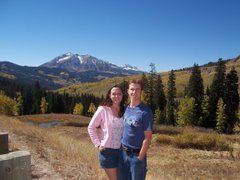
<point x="136" y="81"/>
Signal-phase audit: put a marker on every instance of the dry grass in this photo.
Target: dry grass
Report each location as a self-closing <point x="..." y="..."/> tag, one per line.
<point x="194" y="138"/>
<point x="69" y="154"/>
<point x="188" y="153"/>
<point x="65" y="152"/>
<point x="166" y="162"/>
<point x="68" y="119"/>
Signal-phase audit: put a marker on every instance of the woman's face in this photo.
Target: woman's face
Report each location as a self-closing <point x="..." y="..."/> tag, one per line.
<point x="116" y="95"/>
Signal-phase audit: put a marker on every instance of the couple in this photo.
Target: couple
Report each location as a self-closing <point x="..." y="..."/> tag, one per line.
<point x="125" y="133"/>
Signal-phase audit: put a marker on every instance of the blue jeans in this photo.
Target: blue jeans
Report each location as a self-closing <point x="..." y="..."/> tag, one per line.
<point x="130" y="167"/>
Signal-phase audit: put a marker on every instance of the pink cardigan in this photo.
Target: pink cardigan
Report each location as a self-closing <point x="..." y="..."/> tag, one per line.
<point x="103" y="117"/>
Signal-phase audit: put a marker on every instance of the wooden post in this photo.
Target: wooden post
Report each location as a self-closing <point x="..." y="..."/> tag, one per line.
<point x="15" y="166"/>
<point x="3" y="142"/>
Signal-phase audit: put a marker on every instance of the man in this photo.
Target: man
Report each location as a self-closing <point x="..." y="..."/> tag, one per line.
<point x="137" y="135"/>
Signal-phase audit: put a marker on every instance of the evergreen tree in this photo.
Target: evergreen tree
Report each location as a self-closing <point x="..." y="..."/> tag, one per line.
<point x="59" y="103"/>
<point x="171" y="95"/>
<point x="196" y="90"/>
<point x="72" y="104"/>
<point x="236" y="128"/>
<point x="144" y="81"/>
<point x="216" y="91"/>
<point x="124" y="86"/>
<point x="50" y="99"/>
<point x="150" y="89"/>
<point x="66" y="102"/>
<point x="36" y="98"/>
<point x="160" y="98"/>
<point x="231" y="99"/>
<point x="159" y="94"/>
<point x="145" y="86"/>
<point x="27" y="101"/>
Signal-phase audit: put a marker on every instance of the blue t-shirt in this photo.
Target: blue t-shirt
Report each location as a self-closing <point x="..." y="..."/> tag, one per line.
<point x="136" y="120"/>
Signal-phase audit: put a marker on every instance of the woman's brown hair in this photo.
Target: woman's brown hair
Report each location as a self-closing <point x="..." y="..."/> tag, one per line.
<point x="107" y="101"/>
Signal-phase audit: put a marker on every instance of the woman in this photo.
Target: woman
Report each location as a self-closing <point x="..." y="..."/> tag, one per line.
<point x="109" y="117"/>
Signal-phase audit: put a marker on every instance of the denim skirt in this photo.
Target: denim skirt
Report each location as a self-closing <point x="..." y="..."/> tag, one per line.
<point x="109" y="158"/>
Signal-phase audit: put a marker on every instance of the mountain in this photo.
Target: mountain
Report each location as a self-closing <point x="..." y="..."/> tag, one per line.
<point x="85" y="63"/>
<point x="64" y="70"/>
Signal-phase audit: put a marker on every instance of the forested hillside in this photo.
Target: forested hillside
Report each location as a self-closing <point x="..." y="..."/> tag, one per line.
<point x="182" y="78"/>
<point x="206" y="96"/>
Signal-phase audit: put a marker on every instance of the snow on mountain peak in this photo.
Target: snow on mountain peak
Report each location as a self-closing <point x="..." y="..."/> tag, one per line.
<point x="80" y="59"/>
<point x="65" y="57"/>
<point x="129" y="67"/>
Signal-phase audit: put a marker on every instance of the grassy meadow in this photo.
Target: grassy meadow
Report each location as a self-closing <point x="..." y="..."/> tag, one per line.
<point x="175" y="153"/>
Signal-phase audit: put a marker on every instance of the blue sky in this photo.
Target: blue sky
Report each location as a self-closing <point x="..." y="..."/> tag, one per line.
<point x="172" y="34"/>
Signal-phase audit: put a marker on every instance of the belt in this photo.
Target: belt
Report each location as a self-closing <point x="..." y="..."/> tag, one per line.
<point x="129" y="150"/>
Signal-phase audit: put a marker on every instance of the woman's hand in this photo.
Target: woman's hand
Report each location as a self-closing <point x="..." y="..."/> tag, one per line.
<point x="100" y="148"/>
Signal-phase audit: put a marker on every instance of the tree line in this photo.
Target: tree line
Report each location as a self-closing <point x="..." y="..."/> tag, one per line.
<point x="18" y="100"/>
<point x="216" y="106"/>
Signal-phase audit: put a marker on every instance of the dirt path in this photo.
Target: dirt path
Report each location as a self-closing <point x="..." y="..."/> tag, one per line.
<point x="40" y="165"/>
<point x="45" y="165"/>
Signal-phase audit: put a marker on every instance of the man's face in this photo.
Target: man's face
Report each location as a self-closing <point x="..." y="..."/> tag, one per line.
<point x="134" y="91"/>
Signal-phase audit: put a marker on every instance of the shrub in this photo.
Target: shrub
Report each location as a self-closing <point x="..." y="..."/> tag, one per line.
<point x="162" y="139"/>
<point x="8" y="106"/>
<point x="163" y="129"/>
<point x="196" y="140"/>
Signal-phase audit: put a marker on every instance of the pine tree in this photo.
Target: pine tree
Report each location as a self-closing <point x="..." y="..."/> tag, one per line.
<point x="171" y="95"/>
<point x="37" y="93"/>
<point x="145" y="86"/>
<point x="160" y="98"/>
<point x="144" y="81"/>
<point x="124" y="86"/>
<point x="216" y="91"/>
<point x="150" y="91"/>
<point x="27" y="101"/>
<point x="196" y="90"/>
<point x="231" y="99"/>
<point x="49" y="99"/>
<point x="236" y="128"/>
